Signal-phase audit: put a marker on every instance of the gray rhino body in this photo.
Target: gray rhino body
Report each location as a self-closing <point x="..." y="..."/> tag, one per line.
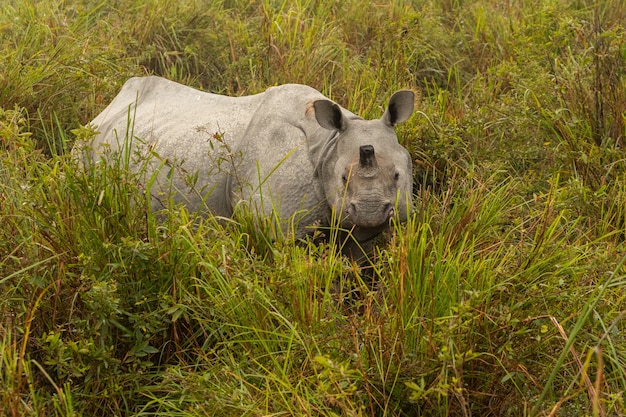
<point x="288" y="151"/>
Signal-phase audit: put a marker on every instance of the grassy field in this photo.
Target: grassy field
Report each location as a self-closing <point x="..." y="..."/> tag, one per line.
<point x="504" y="295"/>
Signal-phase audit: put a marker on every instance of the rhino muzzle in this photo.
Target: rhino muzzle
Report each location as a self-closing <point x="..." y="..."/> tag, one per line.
<point x="370" y="214"/>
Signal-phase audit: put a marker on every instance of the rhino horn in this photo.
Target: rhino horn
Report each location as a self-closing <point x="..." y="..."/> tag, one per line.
<point x="367" y="158"/>
<point x="367" y="161"/>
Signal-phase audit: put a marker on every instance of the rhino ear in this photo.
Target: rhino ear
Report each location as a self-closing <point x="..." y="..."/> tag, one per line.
<point x="329" y="115"/>
<point x="400" y="108"/>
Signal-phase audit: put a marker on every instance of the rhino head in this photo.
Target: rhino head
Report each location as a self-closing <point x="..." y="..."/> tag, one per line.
<point x="365" y="173"/>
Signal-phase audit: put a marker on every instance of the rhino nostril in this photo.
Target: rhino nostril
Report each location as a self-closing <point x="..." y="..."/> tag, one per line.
<point x="388" y="210"/>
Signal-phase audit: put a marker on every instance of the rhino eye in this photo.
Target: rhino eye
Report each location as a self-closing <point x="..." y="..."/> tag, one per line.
<point x="344" y="178"/>
<point x="396" y="176"/>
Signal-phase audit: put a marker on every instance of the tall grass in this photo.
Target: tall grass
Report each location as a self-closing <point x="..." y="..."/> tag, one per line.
<point x="503" y="294"/>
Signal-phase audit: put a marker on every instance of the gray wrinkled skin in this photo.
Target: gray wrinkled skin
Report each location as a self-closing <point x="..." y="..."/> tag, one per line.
<point x="288" y="149"/>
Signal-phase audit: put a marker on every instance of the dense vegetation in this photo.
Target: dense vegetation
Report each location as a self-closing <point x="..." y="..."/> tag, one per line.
<point x="505" y="294"/>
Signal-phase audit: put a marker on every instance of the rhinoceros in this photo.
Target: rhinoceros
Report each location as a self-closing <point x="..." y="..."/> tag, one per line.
<point x="288" y="152"/>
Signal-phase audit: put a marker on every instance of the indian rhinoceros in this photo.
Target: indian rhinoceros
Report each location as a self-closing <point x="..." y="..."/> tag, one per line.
<point x="288" y="151"/>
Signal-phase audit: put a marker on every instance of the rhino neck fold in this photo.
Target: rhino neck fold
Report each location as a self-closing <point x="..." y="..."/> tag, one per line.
<point x="323" y="154"/>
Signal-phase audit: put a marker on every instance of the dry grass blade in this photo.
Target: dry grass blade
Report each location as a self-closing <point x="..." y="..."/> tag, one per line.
<point x="593" y="390"/>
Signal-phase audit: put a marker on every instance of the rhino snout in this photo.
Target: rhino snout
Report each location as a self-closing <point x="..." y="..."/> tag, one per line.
<point x="368" y="214"/>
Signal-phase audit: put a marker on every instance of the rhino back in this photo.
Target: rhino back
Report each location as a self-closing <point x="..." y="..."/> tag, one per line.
<point x="176" y="118"/>
<point x="190" y="131"/>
